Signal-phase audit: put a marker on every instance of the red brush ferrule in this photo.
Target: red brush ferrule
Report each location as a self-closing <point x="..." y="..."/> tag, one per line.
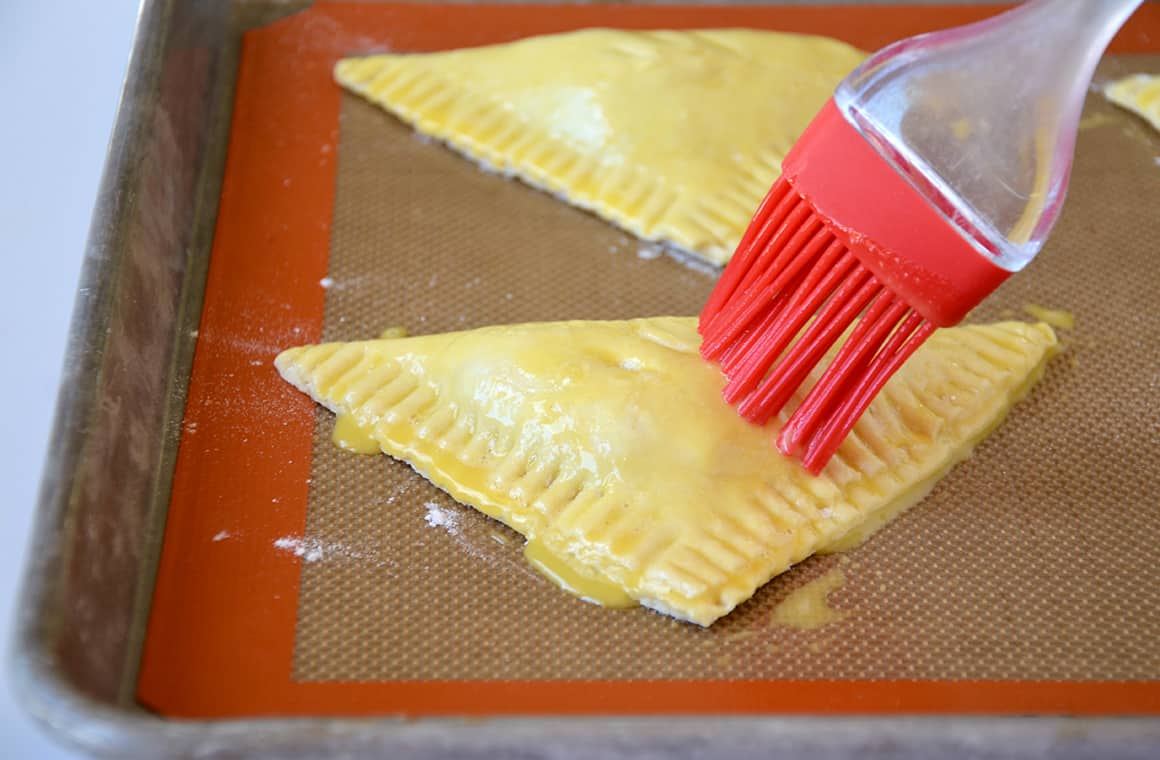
<point x="895" y="232"/>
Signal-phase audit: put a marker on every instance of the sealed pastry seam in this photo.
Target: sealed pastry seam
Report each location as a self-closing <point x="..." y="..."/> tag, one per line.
<point x="608" y="444"/>
<point x="674" y="136"/>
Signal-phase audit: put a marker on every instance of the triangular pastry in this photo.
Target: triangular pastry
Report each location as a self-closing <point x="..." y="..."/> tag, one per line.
<point x="674" y="136"/>
<point x="1140" y="94"/>
<point x="608" y="445"/>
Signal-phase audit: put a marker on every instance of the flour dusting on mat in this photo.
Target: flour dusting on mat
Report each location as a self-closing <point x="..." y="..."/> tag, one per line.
<point x="448" y="518"/>
<point x="438" y="517"/>
<point x="309" y="549"/>
<point x="313" y="549"/>
<point x="221" y="535"/>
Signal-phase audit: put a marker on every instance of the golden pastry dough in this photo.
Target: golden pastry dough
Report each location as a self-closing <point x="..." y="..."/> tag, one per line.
<point x="1140" y="94"/>
<point x="674" y="136"/>
<point x="608" y="445"/>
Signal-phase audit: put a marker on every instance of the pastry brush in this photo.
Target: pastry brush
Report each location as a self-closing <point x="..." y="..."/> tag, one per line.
<point x="935" y="171"/>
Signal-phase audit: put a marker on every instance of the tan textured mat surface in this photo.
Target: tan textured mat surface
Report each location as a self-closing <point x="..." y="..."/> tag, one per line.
<point x="1034" y="560"/>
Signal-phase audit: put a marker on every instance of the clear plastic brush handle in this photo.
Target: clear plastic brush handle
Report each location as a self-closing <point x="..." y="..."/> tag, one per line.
<point x="982" y="119"/>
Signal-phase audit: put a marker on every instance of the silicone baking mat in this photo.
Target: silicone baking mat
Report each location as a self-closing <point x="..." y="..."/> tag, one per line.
<point x="298" y="579"/>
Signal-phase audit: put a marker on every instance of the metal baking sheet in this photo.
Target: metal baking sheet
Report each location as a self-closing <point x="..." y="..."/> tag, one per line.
<point x="107" y="490"/>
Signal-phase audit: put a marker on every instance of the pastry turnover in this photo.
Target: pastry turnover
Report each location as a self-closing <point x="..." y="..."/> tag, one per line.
<point x="608" y="445"/>
<point x="674" y="136"/>
<point x="1139" y="93"/>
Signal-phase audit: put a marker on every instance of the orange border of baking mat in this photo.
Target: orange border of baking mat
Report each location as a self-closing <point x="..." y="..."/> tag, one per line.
<point x="221" y="631"/>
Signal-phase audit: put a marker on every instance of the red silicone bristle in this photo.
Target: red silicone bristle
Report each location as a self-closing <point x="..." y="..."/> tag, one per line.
<point x="791" y="278"/>
<point x="838" y="313"/>
<point x="761" y="227"/>
<point x="740" y="351"/>
<point x="823" y="278"/>
<point x="817" y="449"/>
<point x="797" y="254"/>
<point x="846" y="370"/>
<point x="879" y="319"/>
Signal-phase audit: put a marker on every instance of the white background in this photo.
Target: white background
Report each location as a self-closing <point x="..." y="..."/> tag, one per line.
<point x="61" y="67"/>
